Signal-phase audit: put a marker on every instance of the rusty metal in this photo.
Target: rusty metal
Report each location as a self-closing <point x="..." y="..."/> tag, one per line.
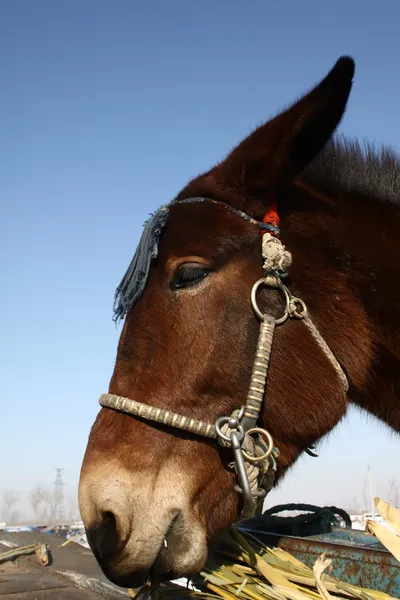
<point x="357" y="558"/>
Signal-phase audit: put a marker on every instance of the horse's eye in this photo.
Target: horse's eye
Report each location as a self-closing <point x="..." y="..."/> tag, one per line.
<point x="188" y="275"/>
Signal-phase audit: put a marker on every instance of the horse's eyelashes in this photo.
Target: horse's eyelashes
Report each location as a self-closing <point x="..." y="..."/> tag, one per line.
<point x="188" y="275"/>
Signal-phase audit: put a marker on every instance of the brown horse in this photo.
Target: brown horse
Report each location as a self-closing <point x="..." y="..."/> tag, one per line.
<point x="153" y="497"/>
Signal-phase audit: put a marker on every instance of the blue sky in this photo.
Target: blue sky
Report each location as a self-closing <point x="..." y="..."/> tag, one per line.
<point x="107" y="110"/>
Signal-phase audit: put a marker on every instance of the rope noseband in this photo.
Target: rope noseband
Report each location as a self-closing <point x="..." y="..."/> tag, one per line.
<point x="253" y="448"/>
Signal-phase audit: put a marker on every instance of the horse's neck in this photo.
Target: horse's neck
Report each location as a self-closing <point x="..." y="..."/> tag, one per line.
<point x="371" y="247"/>
<point x="370" y="244"/>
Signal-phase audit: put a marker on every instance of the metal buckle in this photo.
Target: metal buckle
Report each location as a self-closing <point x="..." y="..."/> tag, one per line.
<point x="269" y="443"/>
<point x="273" y="282"/>
<point x="249" y="504"/>
<point x="233" y="424"/>
<point x="236" y="438"/>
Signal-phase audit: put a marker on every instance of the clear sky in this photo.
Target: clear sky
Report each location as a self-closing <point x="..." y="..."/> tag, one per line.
<point x="107" y="109"/>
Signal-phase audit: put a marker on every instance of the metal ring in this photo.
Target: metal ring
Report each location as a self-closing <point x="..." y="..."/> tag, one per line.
<point x="270" y="282"/>
<point x="270" y="443"/>
<point x="293" y="308"/>
<point x="238" y="430"/>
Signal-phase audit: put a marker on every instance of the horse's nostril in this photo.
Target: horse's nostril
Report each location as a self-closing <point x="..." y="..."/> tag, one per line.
<point x="109" y="518"/>
<point x="106" y="537"/>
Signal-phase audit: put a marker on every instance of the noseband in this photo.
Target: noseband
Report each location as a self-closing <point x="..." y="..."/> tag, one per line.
<point x="252" y="447"/>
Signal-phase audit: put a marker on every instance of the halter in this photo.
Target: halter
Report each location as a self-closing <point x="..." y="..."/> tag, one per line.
<point x="252" y="446"/>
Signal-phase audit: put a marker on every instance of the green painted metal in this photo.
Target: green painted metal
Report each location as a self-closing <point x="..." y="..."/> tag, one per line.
<point x="357" y="558"/>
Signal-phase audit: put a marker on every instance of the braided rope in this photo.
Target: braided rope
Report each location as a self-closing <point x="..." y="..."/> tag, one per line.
<point x="327" y="512"/>
<point x="261" y="474"/>
<point x="158" y="415"/>
<point x="263" y="225"/>
<point x="259" y="374"/>
<point x="278" y="259"/>
<point x="328" y="352"/>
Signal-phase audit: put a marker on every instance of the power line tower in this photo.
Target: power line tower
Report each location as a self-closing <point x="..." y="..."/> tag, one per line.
<point x="58" y="508"/>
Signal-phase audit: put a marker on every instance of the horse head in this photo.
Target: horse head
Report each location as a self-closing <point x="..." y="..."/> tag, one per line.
<point x="153" y="496"/>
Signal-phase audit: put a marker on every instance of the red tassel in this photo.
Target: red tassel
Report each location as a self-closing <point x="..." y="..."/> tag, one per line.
<point x="271" y="216"/>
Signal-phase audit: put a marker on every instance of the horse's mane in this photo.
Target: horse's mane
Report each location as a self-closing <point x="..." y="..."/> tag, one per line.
<point x="345" y="165"/>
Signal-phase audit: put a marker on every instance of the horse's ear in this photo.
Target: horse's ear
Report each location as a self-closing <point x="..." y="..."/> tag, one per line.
<point x="276" y="152"/>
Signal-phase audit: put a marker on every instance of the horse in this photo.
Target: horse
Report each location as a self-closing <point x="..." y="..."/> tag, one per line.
<point x="261" y="302"/>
